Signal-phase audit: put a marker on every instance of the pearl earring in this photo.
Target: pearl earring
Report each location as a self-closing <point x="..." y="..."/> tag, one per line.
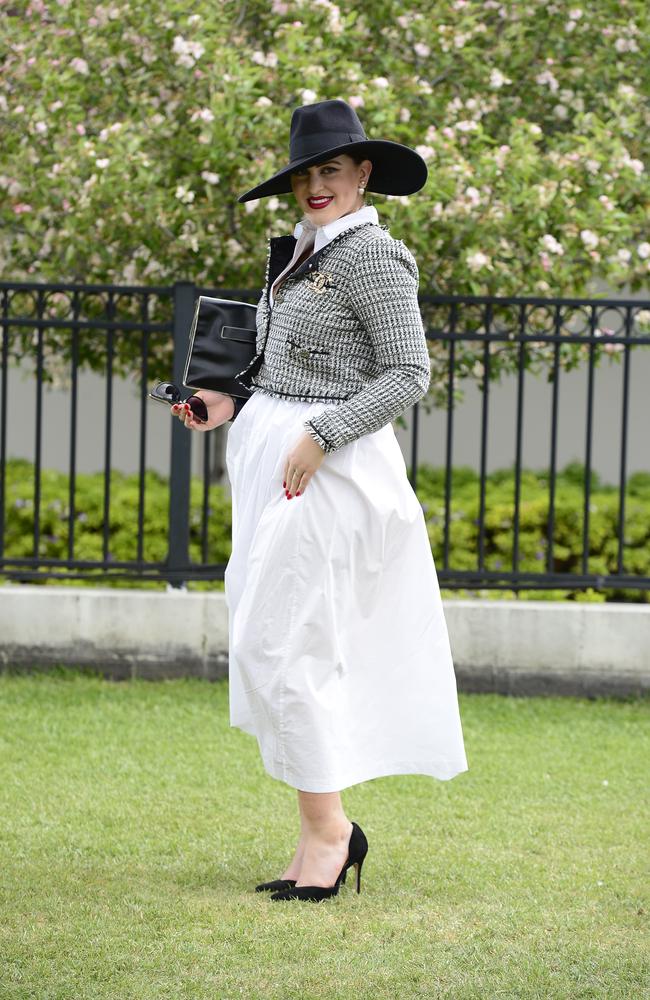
<point x="361" y="190"/>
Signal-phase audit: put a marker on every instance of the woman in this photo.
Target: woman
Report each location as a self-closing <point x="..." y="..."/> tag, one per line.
<point x="339" y="656"/>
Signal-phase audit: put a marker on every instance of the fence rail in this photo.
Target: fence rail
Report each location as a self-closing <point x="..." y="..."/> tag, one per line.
<point x="66" y="327"/>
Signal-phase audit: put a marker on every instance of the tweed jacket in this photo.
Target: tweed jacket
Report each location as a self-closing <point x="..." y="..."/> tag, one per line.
<point x="345" y="326"/>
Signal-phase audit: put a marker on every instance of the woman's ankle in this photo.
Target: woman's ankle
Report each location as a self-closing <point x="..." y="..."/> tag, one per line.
<point x="332" y="832"/>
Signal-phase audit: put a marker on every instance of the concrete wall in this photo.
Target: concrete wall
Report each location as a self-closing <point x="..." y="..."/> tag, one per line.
<point x="513" y="647"/>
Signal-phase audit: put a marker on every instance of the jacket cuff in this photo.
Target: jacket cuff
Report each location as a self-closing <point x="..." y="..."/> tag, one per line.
<point x="311" y="430"/>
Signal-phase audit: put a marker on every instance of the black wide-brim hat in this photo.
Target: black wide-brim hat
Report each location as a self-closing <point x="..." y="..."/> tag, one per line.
<point x="321" y="131"/>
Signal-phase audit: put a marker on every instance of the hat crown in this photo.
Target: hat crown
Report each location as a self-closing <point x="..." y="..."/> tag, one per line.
<point x="322" y="126"/>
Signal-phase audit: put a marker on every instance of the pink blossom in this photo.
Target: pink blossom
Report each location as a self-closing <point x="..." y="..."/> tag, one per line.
<point x="421" y="49"/>
<point x="21" y="207"/>
<point x="545" y="261"/>
<point x="66" y="205"/>
<point x="81" y="129"/>
<point x="356" y="101"/>
<point x="80" y="66"/>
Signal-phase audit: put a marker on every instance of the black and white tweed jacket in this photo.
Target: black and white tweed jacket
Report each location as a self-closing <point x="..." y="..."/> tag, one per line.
<point x="344" y="326"/>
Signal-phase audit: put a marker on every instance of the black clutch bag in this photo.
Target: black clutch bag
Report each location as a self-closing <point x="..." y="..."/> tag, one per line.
<point x="222" y="344"/>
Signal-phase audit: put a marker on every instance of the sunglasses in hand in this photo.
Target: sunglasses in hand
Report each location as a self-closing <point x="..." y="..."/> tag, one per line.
<point x="167" y="392"/>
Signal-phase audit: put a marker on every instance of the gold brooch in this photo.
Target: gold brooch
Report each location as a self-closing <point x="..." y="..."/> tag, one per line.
<point x="319" y="281"/>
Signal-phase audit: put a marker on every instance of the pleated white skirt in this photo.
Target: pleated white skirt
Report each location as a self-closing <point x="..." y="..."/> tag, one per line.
<point x="339" y="658"/>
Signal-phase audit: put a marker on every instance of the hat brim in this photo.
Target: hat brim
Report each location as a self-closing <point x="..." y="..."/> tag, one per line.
<point x="396" y="169"/>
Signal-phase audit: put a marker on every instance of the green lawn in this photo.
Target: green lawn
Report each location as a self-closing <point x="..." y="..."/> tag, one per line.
<point x="134" y="824"/>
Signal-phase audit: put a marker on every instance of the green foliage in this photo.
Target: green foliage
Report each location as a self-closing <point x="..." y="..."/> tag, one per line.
<point x="463" y="533"/>
<point x="89" y="516"/>
<point x="534" y="524"/>
<point x="129" y="131"/>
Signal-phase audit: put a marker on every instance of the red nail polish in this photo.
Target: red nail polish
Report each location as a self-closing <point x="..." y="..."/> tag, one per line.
<point x="284" y="486"/>
<point x="298" y="493"/>
<point x="288" y="496"/>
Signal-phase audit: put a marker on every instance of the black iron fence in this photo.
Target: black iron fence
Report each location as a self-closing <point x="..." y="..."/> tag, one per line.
<point x="64" y="328"/>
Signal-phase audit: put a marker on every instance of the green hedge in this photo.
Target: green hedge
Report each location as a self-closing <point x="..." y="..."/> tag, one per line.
<point x="89" y="517"/>
<point x="569" y="502"/>
<point x="534" y="514"/>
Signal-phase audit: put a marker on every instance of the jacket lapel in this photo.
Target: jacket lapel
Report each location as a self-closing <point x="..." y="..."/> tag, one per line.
<point x="281" y="252"/>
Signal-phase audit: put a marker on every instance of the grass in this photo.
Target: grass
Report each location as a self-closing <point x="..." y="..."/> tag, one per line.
<point x="135" y="824"/>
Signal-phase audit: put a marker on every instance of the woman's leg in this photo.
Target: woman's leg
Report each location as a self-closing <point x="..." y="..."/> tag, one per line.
<point x="325" y="836"/>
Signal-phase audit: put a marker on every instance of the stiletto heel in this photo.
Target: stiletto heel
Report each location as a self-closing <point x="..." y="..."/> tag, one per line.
<point x="358" y="868"/>
<point x="357" y="850"/>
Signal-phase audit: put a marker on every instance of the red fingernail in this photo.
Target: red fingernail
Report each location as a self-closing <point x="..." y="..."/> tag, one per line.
<point x="288" y="496"/>
<point x="284" y="486"/>
<point x="298" y="493"/>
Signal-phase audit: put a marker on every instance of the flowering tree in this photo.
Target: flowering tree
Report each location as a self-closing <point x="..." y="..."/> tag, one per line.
<point x="130" y="130"/>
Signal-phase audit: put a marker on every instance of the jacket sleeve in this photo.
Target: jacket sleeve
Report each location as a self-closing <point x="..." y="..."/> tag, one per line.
<point x="383" y="294"/>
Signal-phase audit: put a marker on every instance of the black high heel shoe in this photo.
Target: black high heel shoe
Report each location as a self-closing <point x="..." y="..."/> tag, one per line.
<point x="357" y="850"/>
<point x="281" y="883"/>
<point x="276" y="884"/>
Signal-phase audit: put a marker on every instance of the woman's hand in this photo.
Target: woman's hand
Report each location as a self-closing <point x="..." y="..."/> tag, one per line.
<point x="301" y="464"/>
<point x="220" y="408"/>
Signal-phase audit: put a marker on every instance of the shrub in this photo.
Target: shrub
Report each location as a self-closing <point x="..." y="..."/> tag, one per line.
<point x="122" y="530"/>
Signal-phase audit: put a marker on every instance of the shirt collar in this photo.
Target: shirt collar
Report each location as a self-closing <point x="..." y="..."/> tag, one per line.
<point x="323" y="234"/>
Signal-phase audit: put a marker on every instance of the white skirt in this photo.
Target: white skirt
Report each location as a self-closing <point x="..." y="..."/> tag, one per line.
<point x="339" y="658"/>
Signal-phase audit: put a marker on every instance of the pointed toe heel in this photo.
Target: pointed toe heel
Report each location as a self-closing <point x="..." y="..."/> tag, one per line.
<point x="281" y="884"/>
<point x="357" y="850"/>
<point x="277" y="885"/>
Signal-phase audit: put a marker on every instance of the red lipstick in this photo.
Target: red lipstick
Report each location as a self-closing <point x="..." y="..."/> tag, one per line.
<point x="319" y="202"/>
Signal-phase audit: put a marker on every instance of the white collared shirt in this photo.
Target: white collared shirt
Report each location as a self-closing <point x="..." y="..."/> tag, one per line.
<point x="306" y="234"/>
